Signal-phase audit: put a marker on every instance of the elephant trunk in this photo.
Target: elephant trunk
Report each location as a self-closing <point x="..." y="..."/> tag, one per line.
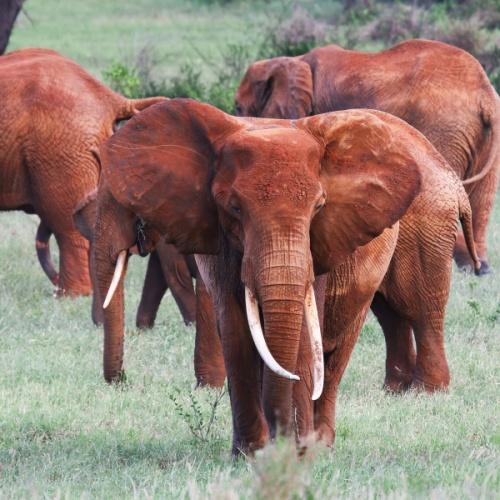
<point x="113" y="236"/>
<point x="278" y="277"/>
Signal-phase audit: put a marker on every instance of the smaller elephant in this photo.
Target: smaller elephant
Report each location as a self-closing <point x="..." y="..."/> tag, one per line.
<point x="440" y="90"/>
<point x="54" y="116"/>
<point x="266" y="206"/>
<point x="167" y="268"/>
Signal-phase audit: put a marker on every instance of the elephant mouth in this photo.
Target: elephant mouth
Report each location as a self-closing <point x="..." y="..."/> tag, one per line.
<point x="314" y="330"/>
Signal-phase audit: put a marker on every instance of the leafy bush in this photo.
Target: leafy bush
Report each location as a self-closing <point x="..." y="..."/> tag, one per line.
<point x="123" y="79"/>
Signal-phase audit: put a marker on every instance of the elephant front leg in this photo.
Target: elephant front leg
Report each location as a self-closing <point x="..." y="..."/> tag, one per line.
<point x="400" y="350"/>
<point x="208" y="358"/>
<point x="344" y="316"/>
<point x="250" y="431"/>
<point x="74" y="276"/>
<point x="335" y="365"/>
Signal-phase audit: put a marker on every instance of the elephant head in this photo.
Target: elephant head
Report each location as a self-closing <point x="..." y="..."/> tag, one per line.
<point x="281" y="87"/>
<point x="289" y="197"/>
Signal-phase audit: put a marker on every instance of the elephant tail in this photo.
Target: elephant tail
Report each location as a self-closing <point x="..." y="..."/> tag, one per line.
<point x="43" y="235"/>
<point x="492" y="119"/>
<point x="465" y="215"/>
<point x="130" y="107"/>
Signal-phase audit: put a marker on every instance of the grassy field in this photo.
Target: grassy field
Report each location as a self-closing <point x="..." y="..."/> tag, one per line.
<point x="64" y="433"/>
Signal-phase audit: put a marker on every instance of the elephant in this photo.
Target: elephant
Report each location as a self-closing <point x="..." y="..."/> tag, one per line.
<point x="266" y="205"/>
<point x="54" y="116"/>
<point x="440" y="90"/>
<point x="167" y="268"/>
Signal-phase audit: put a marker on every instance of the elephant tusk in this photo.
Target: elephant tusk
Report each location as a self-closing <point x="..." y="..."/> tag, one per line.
<point x="120" y="264"/>
<point x="258" y="337"/>
<point x="314" y="329"/>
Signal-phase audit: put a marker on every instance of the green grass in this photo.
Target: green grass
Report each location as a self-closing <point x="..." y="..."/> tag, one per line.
<point x="65" y="433"/>
<point x="95" y="33"/>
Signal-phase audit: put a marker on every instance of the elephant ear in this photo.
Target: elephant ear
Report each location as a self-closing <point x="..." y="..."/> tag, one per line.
<point x="281" y="87"/>
<point x="160" y="165"/>
<point x="370" y="178"/>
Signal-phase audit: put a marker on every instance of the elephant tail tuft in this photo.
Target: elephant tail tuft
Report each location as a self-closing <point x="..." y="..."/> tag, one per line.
<point x="465" y="215"/>
<point x="130" y="107"/>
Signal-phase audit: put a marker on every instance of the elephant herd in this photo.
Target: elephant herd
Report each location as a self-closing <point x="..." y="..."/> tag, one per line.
<point x="337" y="188"/>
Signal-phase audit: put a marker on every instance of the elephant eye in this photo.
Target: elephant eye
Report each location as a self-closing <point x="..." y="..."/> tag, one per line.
<point x="235" y="208"/>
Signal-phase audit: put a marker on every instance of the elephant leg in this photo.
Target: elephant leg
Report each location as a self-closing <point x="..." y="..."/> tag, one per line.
<point x="345" y="334"/>
<point x="74" y="277"/>
<point x="250" y="431"/>
<point x="179" y="279"/>
<point x="349" y="292"/>
<point x="481" y="197"/>
<point x="208" y="358"/>
<point x="153" y="291"/>
<point x="431" y="370"/>
<point x="400" y="350"/>
<point x="242" y="362"/>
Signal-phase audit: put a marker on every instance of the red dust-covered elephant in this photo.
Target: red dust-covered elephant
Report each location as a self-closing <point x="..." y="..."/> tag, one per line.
<point x="438" y="89"/>
<point x="266" y="205"/>
<point x="53" y="117"/>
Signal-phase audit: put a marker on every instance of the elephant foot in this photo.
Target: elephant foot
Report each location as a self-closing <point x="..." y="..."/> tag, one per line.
<point x="61" y="292"/>
<point x="325" y="434"/>
<point x="144" y="323"/>
<point x="430" y="387"/>
<point x="484" y="269"/>
<point x="397" y="381"/>
<point x="245" y="448"/>
<point x="212" y="380"/>
<point x="117" y="380"/>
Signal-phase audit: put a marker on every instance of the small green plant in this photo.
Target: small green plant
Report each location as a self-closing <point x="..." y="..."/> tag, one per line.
<point x="475" y="306"/>
<point x="199" y="416"/>
<point x="123" y="79"/>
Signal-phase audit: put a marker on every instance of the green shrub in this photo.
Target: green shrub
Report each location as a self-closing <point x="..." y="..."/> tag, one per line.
<point x="123" y="79"/>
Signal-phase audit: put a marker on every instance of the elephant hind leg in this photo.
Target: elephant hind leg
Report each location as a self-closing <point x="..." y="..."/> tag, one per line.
<point x="431" y="370"/>
<point x="74" y="265"/>
<point x="400" y="349"/>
